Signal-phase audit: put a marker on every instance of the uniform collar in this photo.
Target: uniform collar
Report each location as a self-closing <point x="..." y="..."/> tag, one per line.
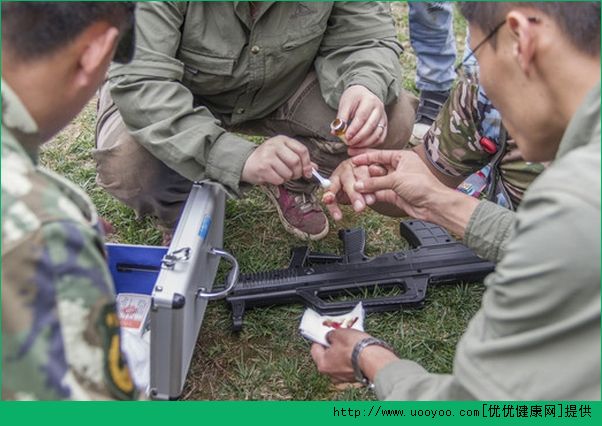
<point x="17" y="121"/>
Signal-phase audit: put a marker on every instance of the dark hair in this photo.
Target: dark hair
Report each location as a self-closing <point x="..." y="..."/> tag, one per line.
<point x="580" y="21"/>
<point x="31" y="30"/>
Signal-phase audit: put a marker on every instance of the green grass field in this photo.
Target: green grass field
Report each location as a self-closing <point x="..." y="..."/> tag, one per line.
<point x="269" y="360"/>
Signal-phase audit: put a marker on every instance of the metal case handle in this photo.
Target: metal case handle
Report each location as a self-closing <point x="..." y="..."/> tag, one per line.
<point x="230" y="281"/>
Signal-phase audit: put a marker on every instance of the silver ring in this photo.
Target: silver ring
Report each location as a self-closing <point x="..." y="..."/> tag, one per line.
<point x="382" y="126"/>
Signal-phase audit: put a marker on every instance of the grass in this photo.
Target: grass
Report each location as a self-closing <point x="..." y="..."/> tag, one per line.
<point x="269" y="360"/>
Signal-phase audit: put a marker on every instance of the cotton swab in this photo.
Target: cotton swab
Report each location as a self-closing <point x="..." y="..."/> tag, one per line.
<point x="324" y="183"/>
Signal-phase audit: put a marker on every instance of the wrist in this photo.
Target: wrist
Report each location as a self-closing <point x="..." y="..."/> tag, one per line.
<point x="451" y="209"/>
<point x="373" y="359"/>
<point x="369" y="355"/>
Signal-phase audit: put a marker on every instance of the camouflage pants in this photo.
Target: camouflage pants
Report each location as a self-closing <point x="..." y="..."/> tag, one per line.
<point x="138" y="179"/>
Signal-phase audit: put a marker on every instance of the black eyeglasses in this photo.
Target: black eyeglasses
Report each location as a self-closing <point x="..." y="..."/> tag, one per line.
<point x="495" y="29"/>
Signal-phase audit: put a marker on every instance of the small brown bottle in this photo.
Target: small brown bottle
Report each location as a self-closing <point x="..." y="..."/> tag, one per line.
<point x="338" y="127"/>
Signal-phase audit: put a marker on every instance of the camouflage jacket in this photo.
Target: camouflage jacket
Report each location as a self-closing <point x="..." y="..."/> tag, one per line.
<point x="60" y="332"/>
<point x="454" y="144"/>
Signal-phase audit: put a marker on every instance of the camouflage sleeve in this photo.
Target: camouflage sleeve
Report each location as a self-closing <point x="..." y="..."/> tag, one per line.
<point x="60" y="332"/>
<point x="452" y="142"/>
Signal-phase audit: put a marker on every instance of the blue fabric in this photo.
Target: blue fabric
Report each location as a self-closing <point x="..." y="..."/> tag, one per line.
<point x="432" y="38"/>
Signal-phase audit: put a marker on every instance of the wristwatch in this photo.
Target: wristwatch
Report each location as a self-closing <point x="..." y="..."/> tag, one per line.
<point x="355" y="356"/>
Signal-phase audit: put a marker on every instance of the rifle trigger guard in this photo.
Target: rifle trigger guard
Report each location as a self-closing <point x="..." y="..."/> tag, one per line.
<point x="230" y="281"/>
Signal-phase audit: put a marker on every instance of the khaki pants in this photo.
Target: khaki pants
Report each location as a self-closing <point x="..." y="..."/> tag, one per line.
<point x="131" y="174"/>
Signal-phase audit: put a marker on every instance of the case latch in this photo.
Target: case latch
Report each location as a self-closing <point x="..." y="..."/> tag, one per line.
<point x="170" y="259"/>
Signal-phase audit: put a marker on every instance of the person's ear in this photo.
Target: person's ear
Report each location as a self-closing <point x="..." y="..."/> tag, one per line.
<point x="96" y="52"/>
<point x="523" y="39"/>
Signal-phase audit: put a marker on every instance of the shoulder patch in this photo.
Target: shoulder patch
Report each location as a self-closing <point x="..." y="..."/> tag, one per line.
<point x="117" y="373"/>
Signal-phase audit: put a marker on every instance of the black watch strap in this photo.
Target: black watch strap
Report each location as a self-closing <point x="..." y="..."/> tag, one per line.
<point x="355" y="356"/>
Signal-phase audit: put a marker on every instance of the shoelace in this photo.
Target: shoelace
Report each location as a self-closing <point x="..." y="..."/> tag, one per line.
<point x="305" y="205"/>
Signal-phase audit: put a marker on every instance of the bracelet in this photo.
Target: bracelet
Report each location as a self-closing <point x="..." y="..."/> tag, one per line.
<point x="355" y="356"/>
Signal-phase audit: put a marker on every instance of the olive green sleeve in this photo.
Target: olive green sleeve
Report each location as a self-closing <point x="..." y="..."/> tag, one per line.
<point x="489" y="229"/>
<point x="360" y="47"/>
<point x="159" y="110"/>
<point x="537" y="334"/>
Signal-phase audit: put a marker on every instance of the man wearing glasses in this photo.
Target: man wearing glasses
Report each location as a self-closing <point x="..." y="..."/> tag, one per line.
<point x="60" y="332"/>
<point x="537" y="334"/>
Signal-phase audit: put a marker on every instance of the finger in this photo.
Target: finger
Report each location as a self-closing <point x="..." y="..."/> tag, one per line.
<point x="272" y="177"/>
<point x="361" y="115"/>
<point x="357" y="199"/>
<point x="378" y="136"/>
<point x="385" y="132"/>
<point x="318" y="353"/>
<point x="292" y="161"/>
<point x="387" y="196"/>
<point x="331" y="336"/>
<point x="334" y="211"/>
<point x="369" y="131"/>
<point x="281" y="169"/>
<point x="372" y="185"/>
<point x="347" y="108"/>
<point x="335" y="186"/>
<point x="377" y="156"/>
<point x="353" y="151"/>
<point x="301" y="150"/>
<point x="376" y="170"/>
<point x="330" y="199"/>
<point x="371" y="142"/>
<point x="362" y="173"/>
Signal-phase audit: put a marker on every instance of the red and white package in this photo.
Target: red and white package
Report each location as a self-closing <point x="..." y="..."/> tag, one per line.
<point x="132" y="310"/>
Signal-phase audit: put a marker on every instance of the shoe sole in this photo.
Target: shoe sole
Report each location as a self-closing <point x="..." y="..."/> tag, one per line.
<point x="289" y="228"/>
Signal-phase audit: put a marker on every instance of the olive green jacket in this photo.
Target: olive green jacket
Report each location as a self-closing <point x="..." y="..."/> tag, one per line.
<point x="537" y="334"/>
<point x="202" y="66"/>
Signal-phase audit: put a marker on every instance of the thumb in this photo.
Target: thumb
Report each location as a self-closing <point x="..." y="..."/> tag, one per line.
<point x="317" y="353"/>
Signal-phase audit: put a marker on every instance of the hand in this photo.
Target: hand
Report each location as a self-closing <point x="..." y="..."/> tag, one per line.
<point x="335" y="361"/>
<point x="342" y="189"/>
<point x="276" y="161"/>
<point x="366" y="115"/>
<point x="408" y="184"/>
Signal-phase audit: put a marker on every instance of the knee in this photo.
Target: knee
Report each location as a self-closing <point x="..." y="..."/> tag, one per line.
<point x="401" y="115"/>
<point x="125" y="169"/>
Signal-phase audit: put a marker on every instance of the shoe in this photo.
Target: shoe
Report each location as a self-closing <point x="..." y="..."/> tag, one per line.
<point x="300" y="213"/>
<point x="429" y="107"/>
<point x="418" y="132"/>
<point x="106" y="226"/>
<point x="166" y="234"/>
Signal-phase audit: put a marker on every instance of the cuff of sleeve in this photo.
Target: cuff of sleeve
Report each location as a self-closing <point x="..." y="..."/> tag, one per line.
<point x="392" y="374"/>
<point x="488" y="230"/>
<point x="227" y="159"/>
<point x="372" y="85"/>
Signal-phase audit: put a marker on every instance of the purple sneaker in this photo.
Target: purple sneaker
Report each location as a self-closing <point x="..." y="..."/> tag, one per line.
<point x="300" y="213"/>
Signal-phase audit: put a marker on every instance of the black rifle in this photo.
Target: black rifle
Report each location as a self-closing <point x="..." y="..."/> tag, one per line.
<point x="435" y="258"/>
